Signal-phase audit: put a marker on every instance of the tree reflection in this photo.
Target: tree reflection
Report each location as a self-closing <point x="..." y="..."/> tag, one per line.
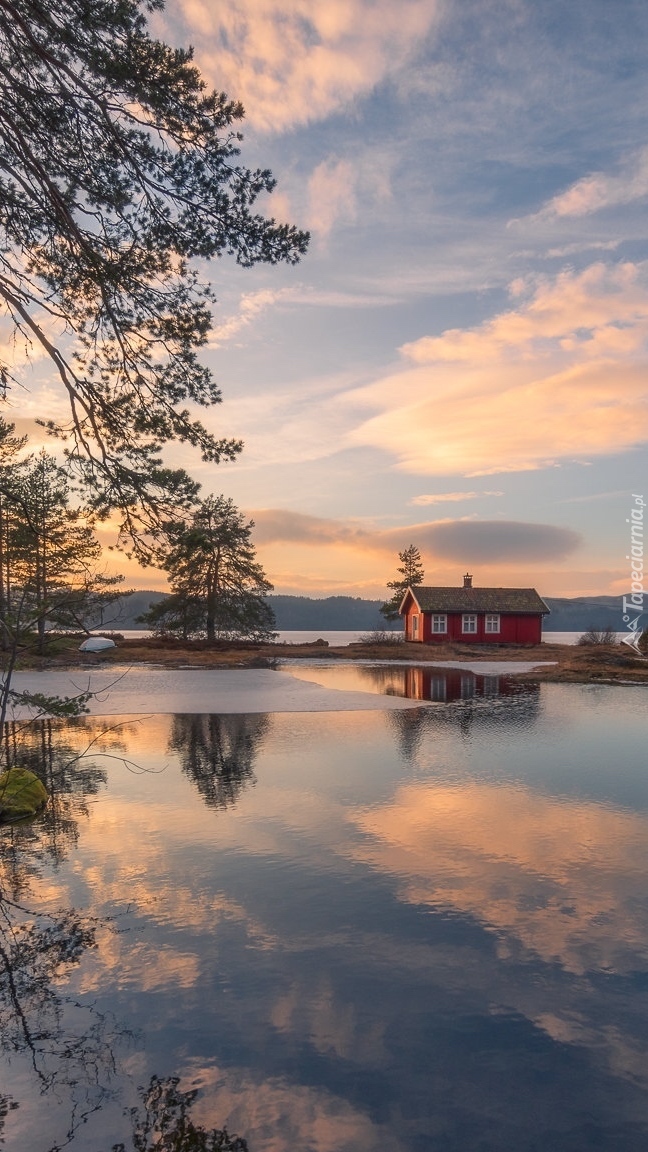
<point x="165" y="1124"/>
<point x="67" y="1048"/>
<point x="55" y="753"/>
<point x="217" y="753"/>
<point x="410" y="726"/>
<point x="7" y="1105"/>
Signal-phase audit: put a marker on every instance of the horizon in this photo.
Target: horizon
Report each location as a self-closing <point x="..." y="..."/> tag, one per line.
<point x="373" y="600"/>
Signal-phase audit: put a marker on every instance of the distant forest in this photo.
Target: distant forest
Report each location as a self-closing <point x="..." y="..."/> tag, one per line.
<point x="346" y="613"/>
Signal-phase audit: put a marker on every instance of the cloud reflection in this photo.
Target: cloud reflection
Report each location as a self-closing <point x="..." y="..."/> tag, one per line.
<point x="563" y="878"/>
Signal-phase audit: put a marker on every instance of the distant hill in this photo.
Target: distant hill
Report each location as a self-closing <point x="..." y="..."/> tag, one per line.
<point x="121" y="615"/>
<point x="298" y="613"/>
<point x="348" y="613"/>
<point x="582" y="612"/>
<point x="335" y="613"/>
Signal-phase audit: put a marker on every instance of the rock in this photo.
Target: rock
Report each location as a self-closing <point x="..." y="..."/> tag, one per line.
<point x="320" y="643"/>
<point x="21" y="794"/>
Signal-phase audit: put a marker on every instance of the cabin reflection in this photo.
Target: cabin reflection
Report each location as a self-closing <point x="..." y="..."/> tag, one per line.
<point x="475" y="704"/>
<point x="444" y="687"/>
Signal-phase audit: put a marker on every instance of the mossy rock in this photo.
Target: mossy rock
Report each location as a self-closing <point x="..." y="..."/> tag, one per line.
<point x="21" y="794"/>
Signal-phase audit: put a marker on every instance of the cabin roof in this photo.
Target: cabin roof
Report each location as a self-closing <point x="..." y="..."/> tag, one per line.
<point x="502" y="600"/>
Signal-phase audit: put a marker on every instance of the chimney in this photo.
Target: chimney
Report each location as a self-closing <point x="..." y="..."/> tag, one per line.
<point x="467" y="580"/>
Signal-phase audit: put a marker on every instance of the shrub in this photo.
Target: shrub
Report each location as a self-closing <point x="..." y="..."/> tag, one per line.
<point x="382" y="636"/>
<point x="598" y="636"/>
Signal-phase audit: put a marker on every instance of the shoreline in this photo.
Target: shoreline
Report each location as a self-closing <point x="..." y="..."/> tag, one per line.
<point x="545" y="662"/>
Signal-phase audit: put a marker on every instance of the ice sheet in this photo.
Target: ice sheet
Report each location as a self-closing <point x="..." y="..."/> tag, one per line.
<point x="139" y="690"/>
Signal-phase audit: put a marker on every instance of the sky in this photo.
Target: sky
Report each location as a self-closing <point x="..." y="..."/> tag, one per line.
<point x="459" y="362"/>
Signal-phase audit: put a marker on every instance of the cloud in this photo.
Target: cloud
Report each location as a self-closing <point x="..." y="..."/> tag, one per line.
<point x="251" y="305"/>
<point x="288" y="422"/>
<point x="276" y="524"/>
<point x="293" y="62"/>
<point x="475" y="541"/>
<point x="450" y="497"/>
<point x="332" y="196"/>
<point x="599" y="190"/>
<point x="581" y="246"/>
<point x="339" y="185"/>
<point x="499" y="541"/>
<point x="563" y="374"/>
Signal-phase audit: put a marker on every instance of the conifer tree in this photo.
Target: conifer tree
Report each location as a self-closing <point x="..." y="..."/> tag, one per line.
<point x="118" y="168"/>
<point x="10" y="470"/>
<point x="218" y="587"/>
<point x="410" y="573"/>
<point x="51" y="553"/>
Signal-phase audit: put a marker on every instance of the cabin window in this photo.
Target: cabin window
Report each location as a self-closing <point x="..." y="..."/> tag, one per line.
<point x="415" y="621"/>
<point x="492" y="622"/>
<point x="468" y="622"/>
<point x="440" y="623"/>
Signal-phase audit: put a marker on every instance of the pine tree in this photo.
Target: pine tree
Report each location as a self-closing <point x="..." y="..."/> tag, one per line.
<point x="410" y="573"/>
<point x="218" y="587"/>
<point x="10" y="471"/>
<point x="117" y="169"/>
<point x="52" y="553"/>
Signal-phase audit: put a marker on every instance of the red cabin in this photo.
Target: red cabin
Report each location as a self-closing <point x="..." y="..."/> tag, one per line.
<point x="473" y="615"/>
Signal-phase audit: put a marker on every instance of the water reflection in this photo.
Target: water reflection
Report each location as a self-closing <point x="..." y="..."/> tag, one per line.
<point x="563" y="879"/>
<point x="55" y="753"/>
<point x="413" y="682"/>
<point x="62" y="1050"/>
<point x="400" y="938"/>
<point x="444" y="687"/>
<point x="218" y="752"/>
<point x="472" y="704"/>
<point x="165" y="1123"/>
<point x="65" y="1050"/>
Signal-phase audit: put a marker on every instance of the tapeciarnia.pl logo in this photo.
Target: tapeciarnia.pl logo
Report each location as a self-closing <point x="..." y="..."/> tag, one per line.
<point x="633" y="604"/>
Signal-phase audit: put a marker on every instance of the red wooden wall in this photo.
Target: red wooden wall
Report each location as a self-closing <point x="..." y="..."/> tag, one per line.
<point x="514" y="629"/>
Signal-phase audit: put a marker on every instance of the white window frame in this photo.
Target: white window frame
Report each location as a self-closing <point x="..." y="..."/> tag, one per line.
<point x="439" y="623"/>
<point x="415" y="626"/>
<point x="469" y="624"/>
<point x="492" y="623"/>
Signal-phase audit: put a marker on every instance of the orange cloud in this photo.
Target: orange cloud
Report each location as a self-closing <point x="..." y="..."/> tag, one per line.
<point x="293" y="62"/>
<point x="562" y="375"/>
<point x="504" y="541"/>
<point x="450" y="497"/>
<point x="251" y="305"/>
<point x="600" y="190"/>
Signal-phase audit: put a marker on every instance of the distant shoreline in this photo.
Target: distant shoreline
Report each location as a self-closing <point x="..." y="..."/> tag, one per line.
<point x="348" y="613"/>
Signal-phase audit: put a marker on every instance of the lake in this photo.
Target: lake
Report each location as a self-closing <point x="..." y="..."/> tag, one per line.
<point x="420" y="930"/>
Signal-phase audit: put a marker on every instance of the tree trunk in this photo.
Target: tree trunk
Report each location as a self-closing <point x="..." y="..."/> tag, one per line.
<point x="211" y="611"/>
